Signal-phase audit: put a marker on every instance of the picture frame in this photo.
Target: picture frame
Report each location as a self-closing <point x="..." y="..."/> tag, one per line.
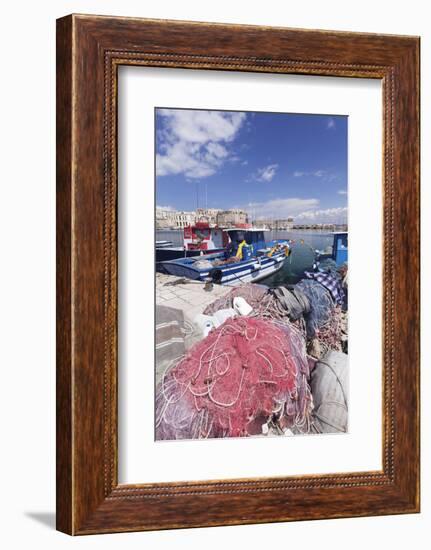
<point x="89" y="51"/>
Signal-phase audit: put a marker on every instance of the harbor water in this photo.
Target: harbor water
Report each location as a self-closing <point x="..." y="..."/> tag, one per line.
<point x="301" y="259"/>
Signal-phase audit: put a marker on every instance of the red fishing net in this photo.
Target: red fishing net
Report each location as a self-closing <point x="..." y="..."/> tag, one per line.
<point x="244" y="374"/>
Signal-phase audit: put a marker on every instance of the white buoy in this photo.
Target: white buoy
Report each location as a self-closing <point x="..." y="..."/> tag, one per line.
<point x="241" y="306"/>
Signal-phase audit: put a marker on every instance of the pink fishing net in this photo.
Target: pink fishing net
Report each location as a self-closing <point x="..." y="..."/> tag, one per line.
<point x="322" y="325"/>
<point x="245" y="374"/>
<point x="329" y="334"/>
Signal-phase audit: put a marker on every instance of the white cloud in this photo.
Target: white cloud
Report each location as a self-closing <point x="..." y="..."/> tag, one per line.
<point x="315" y="174"/>
<point x="169" y="208"/>
<point x="329" y="215"/>
<point x="266" y="173"/>
<point x="342" y="192"/>
<point x="193" y="142"/>
<point x="322" y="174"/>
<point x="330" y="123"/>
<point x="281" y="208"/>
<point x="302" y="210"/>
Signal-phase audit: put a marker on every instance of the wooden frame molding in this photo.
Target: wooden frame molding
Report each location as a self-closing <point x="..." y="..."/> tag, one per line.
<point x="89" y="51"/>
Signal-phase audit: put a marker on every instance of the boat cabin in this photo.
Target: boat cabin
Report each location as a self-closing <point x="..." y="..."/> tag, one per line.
<point x="340" y="248"/>
<point x="201" y="236"/>
<point x="254" y="237"/>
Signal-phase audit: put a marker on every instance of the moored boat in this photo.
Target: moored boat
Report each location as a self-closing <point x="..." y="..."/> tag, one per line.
<point x="198" y="239"/>
<point x="339" y="250"/>
<point x="164" y="244"/>
<point x="256" y="260"/>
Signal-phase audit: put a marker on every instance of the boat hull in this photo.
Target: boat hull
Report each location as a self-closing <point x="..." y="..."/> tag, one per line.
<point x="174" y="253"/>
<point x="235" y="274"/>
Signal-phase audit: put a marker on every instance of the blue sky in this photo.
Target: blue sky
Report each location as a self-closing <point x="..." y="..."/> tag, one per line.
<point x="274" y="165"/>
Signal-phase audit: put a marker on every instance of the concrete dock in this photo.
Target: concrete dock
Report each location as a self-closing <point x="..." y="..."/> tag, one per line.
<point x="186" y="295"/>
<point x="178" y="301"/>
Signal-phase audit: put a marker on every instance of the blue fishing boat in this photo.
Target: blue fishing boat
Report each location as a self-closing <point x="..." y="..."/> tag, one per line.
<point x="339" y="252"/>
<point x="247" y="258"/>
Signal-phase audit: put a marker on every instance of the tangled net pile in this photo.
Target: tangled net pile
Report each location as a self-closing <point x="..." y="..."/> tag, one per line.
<point x="255" y="295"/>
<point x="321" y="305"/>
<point x="265" y="305"/>
<point x="330" y="333"/>
<point x="309" y="307"/>
<point x="247" y="373"/>
<point x="329" y="266"/>
<point x="325" y="322"/>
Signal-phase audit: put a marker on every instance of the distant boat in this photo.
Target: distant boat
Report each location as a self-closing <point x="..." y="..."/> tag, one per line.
<point x="260" y="260"/>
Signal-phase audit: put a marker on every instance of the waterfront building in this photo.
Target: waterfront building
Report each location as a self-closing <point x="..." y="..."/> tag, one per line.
<point x="164" y="218"/>
<point x="173" y="219"/>
<point x="229" y="218"/>
<point x="208" y="215"/>
<point x="182" y="219"/>
<point x="283" y="224"/>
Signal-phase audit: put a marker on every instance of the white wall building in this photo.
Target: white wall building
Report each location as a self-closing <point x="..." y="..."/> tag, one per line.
<point x="207" y="214"/>
<point x="182" y="219"/>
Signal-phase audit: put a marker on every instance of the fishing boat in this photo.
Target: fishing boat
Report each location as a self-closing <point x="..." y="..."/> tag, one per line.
<point x="338" y="251"/>
<point x="259" y="260"/>
<point x="198" y="239"/>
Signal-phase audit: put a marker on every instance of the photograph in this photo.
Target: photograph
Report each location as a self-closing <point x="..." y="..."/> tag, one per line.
<point x="251" y="274"/>
<point x="187" y="360"/>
